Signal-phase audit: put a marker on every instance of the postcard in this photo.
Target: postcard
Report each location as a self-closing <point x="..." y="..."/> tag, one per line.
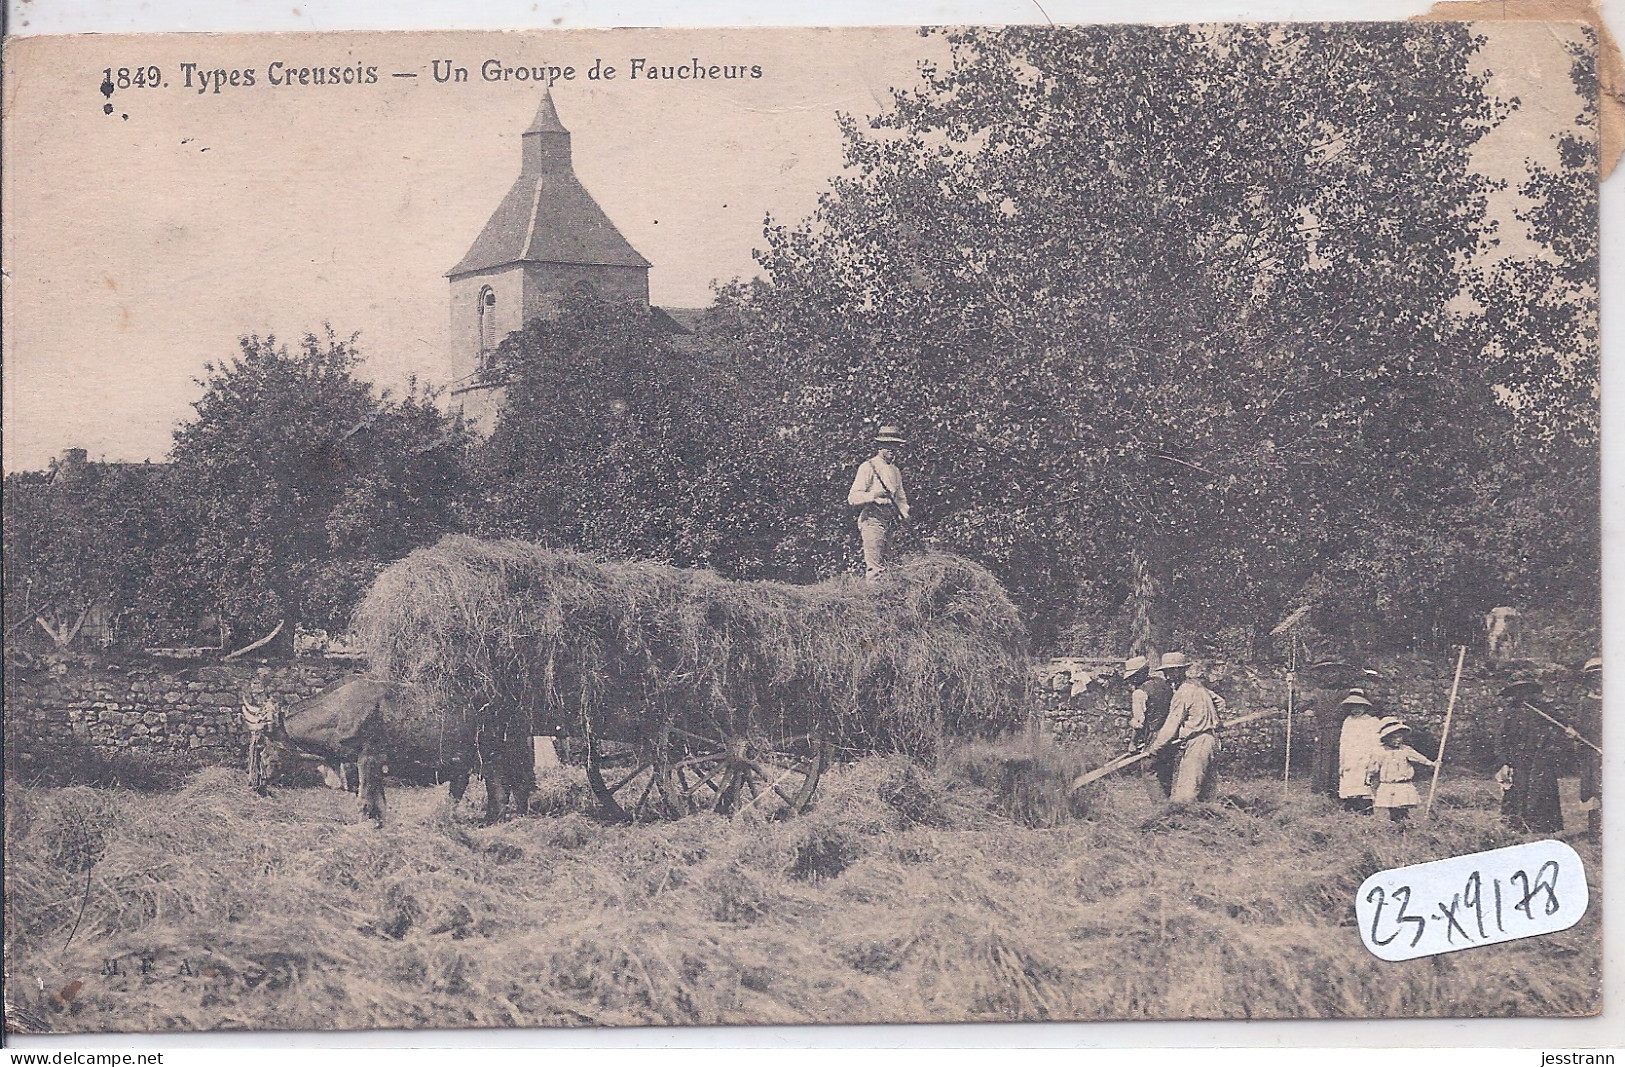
<point x="778" y="526"/>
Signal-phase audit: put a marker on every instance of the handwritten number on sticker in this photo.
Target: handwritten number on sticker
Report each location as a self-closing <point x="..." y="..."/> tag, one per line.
<point x="1545" y="882"/>
<point x="1402" y="894"/>
<point x="1472" y="896"/>
<point x="1481" y="899"/>
<point x="1523" y="904"/>
<point x="1404" y="902"/>
<point x="1447" y="912"/>
<point x="1549" y="885"/>
<point x="1380" y="898"/>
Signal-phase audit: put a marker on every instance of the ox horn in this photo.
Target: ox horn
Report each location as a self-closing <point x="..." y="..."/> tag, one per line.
<point x="259" y="718"/>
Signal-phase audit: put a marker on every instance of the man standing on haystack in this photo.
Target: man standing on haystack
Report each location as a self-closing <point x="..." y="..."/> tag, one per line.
<point x="1148" y="710"/>
<point x="1192" y="725"/>
<point x="877" y="493"/>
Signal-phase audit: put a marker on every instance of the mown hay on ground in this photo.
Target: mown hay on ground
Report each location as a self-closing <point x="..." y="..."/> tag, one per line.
<point x="212" y="908"/>
<point x="935" y="651"/>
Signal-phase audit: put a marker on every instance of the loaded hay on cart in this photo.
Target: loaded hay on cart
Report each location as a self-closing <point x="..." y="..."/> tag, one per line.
<point x="691" y="691"/>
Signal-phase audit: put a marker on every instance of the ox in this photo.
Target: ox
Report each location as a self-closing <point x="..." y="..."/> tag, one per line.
<point x="365" y="721"/>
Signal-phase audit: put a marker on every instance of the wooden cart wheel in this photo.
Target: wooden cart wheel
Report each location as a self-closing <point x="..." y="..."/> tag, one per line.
<point x="626" y="779"/>
<point x="713" y="769"/>
<point x="704" y="767"/>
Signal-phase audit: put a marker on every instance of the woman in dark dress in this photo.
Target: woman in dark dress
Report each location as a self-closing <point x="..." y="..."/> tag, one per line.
<point x="1328" y="724"/>
<point x="1532" y="752"/>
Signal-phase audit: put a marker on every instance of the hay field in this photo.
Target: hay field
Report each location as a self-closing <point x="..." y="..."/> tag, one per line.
<point x="977" y="892"/>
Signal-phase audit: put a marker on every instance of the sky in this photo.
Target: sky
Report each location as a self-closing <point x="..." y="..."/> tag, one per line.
<point x="137" y="249"/>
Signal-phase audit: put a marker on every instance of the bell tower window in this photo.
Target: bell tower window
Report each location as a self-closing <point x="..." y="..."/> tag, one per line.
<point x="487" y="325"/>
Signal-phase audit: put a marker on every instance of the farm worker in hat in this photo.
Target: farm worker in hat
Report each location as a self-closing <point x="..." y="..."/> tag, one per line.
<point x="1192" y="729"/>
<point x="1357" y="753"/>
<point x="1589" y="723"/>
<point x="1148" y="710"/>
<point x="877" y="493"/>
<point x="1393" y="776"/>
<point x="1531" y="751"/>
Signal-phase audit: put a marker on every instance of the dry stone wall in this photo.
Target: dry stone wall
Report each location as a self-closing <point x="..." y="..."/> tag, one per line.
<point x="151" y="706"/>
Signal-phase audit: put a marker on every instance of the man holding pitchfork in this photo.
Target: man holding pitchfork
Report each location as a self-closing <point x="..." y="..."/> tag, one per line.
<point x="877" y="493"/>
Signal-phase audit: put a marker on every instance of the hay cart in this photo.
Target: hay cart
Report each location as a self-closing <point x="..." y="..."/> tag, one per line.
<point x="681" y="691"/>
<point x="700" y="761"/>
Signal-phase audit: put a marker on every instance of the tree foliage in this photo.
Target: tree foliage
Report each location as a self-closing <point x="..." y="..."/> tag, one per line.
<point x="86" y="539"/>
<point x="1188" y="296"/>
<point x="1201" y="322"/>
<point x="302" y="480"/>
<point x="1541" y="494"/>
<point x="618" y="437"/>
<point x="1545" y="346"/>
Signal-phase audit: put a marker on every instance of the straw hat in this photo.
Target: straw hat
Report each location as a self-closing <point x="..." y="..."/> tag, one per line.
<point x="1175" y="661"/>
<point x="1593" y="665"/>
<point x="890" y="435"/>
<point x="1523" y="687"/>
<point x="1135" y="666"/>
<point x="1355" y="700"/>
<point x="1391" y="726"/>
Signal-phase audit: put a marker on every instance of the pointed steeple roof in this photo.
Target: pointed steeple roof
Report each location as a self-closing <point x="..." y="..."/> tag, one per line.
<point x="548" y="216"/>
<point x="547" y="117"/>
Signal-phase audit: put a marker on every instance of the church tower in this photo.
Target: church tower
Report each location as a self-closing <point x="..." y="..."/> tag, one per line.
<point x="547" y="239"/>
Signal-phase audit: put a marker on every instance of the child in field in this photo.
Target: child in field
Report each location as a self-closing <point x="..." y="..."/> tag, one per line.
<point x="1394" y="771"/>
<point x="1357" y="752"/>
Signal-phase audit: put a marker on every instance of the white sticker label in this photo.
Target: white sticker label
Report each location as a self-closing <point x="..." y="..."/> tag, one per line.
<point x="1468" y="901"/>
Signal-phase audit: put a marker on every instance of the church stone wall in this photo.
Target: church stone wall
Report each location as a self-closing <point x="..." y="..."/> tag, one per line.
<point x="509" y="285"/>
<point x="530" y="291"/>
<point x="478" y="407"/>
<point x="549" y="285"/>
<point x="519" y="259"/>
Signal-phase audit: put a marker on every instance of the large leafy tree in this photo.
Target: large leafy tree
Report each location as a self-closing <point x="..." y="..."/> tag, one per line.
<point x="302" y="481"/>
<point x="87" y="539"/>
<point x="620" y="435"/>
<point x="1173" y="313"/>
<point x="1543" y="302"/>
<point x="1541" y="505"/>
